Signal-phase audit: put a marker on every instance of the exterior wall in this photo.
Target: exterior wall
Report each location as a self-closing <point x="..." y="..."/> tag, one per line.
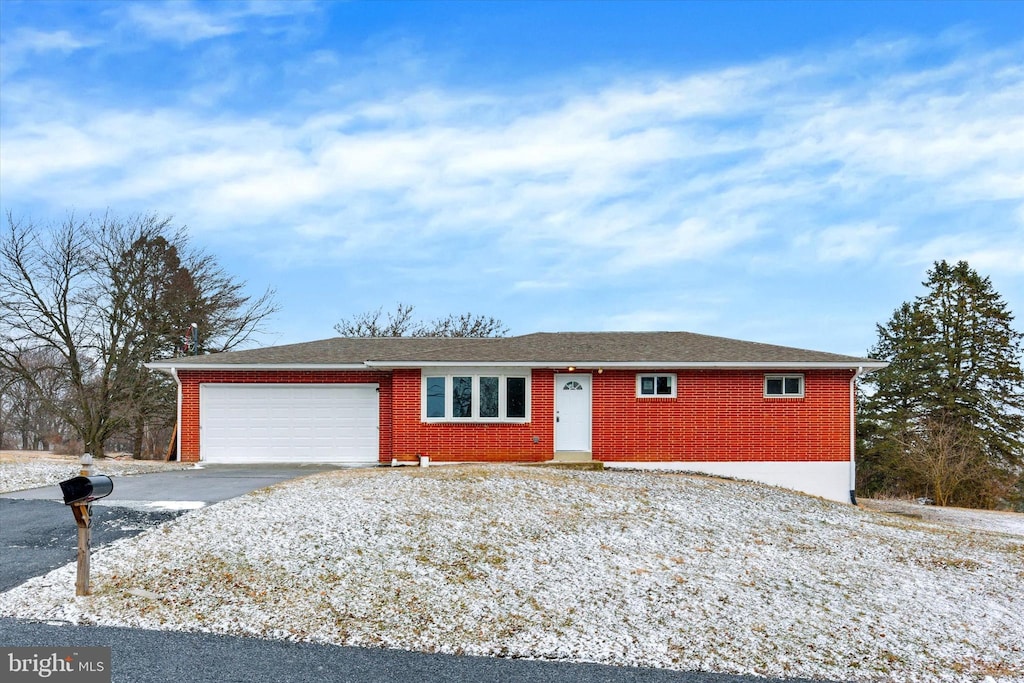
<point x="722" y="416"/>
<point x="188" y="437"/>
<point x="718" y="421"/>
<point x="472" y="442"/>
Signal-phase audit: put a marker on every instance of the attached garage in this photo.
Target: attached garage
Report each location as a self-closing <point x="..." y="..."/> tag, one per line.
<point x="249" y="423"/>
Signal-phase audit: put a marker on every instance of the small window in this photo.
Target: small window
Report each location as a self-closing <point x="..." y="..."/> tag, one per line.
<point x="656" y="386"/>
<point x="516" y="396"/>
<point x="488" y="397"/>
<point x="435" y="396"/>
<point x="462" y="397"/>
<point x="776" y="386"/>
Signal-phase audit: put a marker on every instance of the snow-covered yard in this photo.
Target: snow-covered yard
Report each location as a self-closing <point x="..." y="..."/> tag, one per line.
<point x="21" y="470"/>
<point x="615" y="567"/>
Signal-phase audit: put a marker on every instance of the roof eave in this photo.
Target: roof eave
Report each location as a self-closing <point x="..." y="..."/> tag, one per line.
<point x="255" y="366"/>
<point x="864" y="366"/>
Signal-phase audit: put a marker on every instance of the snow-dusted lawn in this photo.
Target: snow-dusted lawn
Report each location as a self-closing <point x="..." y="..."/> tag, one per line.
<point x="21" y="470"/>
<point x="615" y="567"/>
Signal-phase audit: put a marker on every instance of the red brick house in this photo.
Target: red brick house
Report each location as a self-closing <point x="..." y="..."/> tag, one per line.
<point x="666" y="400"/>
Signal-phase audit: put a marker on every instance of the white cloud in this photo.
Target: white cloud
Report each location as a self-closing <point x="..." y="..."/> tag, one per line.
<point x="184" y="21"/>
<point x="637" y="173"/>
<point x="848" y="242"/>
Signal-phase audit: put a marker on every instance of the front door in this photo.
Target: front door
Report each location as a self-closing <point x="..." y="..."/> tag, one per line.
<point x="572" y="412"/>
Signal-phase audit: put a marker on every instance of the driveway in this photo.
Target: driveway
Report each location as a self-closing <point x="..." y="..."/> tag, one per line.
<point x="185" y="489"/>
<point x="38" y="532"/>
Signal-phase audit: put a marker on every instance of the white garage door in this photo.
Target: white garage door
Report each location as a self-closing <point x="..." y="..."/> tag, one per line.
<point x="244" y="423"/>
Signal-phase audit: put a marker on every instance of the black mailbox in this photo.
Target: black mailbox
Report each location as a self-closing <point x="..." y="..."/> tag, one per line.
<point x="86" y="489"/>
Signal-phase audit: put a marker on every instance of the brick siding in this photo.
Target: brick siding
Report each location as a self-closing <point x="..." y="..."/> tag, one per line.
<point x="717" y="415"/>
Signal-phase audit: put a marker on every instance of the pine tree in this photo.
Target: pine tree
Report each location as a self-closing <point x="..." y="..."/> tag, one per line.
<point x="954" y="377"/>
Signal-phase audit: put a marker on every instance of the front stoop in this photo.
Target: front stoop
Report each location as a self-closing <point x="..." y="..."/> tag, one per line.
<point x="575" y="460"/>
<point x="568" y="464"/>
<point x="573" y="456"/>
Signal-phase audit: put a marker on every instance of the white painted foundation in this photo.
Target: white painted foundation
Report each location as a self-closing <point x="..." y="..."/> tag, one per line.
<point x="825" y="479"/>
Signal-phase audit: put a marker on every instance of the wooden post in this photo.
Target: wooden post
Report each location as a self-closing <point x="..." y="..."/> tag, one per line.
<point x="172" y="447"/>
<point x="81" y="512"/>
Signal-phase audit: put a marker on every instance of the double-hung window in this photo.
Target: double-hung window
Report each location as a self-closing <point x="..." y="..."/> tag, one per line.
<point x="476" y="396"/>
<point x="661" y="385"/>
<point x="782" y="386"/>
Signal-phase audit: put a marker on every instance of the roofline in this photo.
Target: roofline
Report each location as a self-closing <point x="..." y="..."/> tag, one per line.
<point x="865" y="366"/>
<point x="163" y="365"/>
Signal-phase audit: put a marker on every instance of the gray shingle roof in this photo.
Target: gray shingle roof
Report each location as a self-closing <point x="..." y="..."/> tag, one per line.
<point x="540" y="349"/>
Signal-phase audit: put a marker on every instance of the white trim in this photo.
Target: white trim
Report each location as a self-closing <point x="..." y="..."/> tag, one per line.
<point x="587" y="386"/>
<point x="554" y="365"/>
<point x="825" y="479"/>
<point x="634" y="365"/>
<point x="656" y="375"/>
<point x="783" y="376"/>
<point x="853" y="433"/>
<point x="163" y="365"/>
<point x="448" y="373"/>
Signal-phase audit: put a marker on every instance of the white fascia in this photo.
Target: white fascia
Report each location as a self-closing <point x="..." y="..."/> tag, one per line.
<point x="164" y="366"/>
<point x="640" y="365"/>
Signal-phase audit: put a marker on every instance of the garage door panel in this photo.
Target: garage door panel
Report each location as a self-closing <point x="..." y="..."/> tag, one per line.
<point x="289" y="423"/>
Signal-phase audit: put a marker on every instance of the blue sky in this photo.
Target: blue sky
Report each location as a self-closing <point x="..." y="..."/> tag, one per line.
<point x="777" y="172"/>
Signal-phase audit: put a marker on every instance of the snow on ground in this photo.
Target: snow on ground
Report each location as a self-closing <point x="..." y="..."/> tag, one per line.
<point x="626" y="568"/>
<point x="20" y="470"/>
<point x="981" y="520"/>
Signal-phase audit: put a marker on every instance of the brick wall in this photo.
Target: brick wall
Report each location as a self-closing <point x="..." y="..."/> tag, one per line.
<point x="717" y="415"/>
<point x="722" y="415"/>
<point x="472" y="442"/>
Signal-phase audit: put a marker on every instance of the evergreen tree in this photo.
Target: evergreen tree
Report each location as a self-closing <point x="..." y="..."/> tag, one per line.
<point x="953" y="394"/>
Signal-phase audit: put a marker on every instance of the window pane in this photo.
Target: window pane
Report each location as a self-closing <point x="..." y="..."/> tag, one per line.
<point x="647" y="385"/>
<point x="435" y="397"/>
<point x="462" y="397"/>
<point x="793" y="385"/>
<point x="773" y="386"/>
<point x="664" y="385"/>
<point x="488" y="397"/>
<point x="516" y="397"/>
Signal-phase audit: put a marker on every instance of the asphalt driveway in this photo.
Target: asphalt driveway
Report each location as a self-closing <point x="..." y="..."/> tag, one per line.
<point x="201" y="485"/>
<point x="38" y="533"/>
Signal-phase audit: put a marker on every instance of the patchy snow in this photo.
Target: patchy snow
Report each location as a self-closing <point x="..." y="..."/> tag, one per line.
<point x="625" y="568"/>
<point x="981" y="520"/>
<point x="20" y="470"/>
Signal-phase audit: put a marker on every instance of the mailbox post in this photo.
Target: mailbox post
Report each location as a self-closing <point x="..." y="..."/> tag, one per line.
<point x="79" y="493"/>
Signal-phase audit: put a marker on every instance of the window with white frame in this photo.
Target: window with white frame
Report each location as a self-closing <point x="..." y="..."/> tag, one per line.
<point x="661" y="385"/>
<point x="781" y="386"/>
<point x="476" y="396"/>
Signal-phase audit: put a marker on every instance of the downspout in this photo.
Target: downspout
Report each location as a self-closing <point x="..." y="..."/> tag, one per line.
<point x="177" y="419"/>
<point x="853" y="434"/>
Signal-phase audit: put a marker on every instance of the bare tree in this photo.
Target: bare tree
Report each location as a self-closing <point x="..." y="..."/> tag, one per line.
<point x="401" y="324"/>
<point x="98" y="298"/>
<point x="378" y="324"/>
<point x="946" y="458"/>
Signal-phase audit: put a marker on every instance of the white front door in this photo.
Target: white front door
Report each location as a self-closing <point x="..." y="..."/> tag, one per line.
<point x="572" y="412"/>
